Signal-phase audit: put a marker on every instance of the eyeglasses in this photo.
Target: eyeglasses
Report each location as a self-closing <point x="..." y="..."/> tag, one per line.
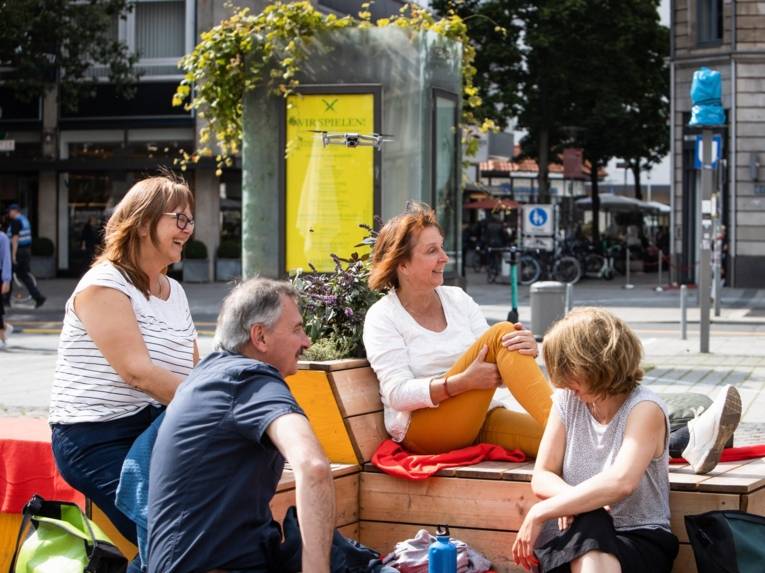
<point x="181" y="220"/>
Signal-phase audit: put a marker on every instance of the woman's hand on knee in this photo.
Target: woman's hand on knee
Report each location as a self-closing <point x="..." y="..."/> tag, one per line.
<point x="521" y="341"/>
<point x="480" y="375"/>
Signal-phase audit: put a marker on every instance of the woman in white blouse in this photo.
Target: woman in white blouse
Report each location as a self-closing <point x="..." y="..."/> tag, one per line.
<point x="127" y="342"/>
<point x="436" y="357"/>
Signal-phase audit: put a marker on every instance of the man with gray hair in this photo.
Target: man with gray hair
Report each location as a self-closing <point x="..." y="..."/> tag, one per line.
<point x="221" y="449"/>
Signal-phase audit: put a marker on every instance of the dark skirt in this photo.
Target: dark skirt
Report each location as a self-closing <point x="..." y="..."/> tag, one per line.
<point x="638" y="550"/>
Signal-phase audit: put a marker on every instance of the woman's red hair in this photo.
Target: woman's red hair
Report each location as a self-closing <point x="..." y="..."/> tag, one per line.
<point x="395" y="241"/>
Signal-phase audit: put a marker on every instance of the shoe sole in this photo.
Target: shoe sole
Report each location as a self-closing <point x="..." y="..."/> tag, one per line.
<point x="729" y="418"/>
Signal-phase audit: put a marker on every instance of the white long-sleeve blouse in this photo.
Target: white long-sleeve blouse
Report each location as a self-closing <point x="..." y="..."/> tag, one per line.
<point x="406" y="356"/>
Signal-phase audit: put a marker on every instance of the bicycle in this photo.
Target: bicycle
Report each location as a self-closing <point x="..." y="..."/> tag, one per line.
<point x="528" y="268"/>
<point x="558" y="266"/>
<point x="594" y="265"/>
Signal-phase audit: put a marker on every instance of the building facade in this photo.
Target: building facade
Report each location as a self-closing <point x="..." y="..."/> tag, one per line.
<point x="66" y="167"/>
<point x="727" y="36"/>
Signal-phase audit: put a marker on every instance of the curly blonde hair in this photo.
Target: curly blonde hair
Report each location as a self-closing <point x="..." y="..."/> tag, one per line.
<point x="594" y="347"/>
<point x="395" y="242"/>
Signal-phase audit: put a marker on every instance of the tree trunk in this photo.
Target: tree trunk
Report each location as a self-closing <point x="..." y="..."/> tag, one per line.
<point x="594" y="166"/>
<point x="635" y="167"/>
<point x="543" y="177"/>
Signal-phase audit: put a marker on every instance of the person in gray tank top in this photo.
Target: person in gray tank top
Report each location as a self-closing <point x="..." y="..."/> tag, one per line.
<point x="602" y="469"/>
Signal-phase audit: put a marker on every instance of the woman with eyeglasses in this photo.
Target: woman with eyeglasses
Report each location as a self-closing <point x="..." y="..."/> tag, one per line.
<point x="127" y="342"/>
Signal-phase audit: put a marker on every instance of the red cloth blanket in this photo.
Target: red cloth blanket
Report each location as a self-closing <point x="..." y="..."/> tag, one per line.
<point x="391" y="458"/>
<point x="27" y="466"/>
<point x="734" y="454"/>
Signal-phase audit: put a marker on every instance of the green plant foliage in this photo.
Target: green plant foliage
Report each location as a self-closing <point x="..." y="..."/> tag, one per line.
<point x="230" y="249"/>
<point x="42" y="247"/>
<point x="54" y="44"/>
<point x="195" y="250"/>
<point x="334" y="305"/>
<point x="246" y="52"/>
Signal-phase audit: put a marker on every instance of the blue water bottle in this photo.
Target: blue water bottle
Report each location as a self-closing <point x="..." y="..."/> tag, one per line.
<point x="442" y="554"/>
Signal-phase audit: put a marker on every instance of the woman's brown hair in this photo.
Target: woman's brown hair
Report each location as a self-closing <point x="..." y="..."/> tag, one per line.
<point x="395" y="241"/>
<point x="593" y="347"/>
<point x="141" y="207"/>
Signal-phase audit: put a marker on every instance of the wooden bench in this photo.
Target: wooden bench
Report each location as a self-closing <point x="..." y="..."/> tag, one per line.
<point x="484" y="504"/>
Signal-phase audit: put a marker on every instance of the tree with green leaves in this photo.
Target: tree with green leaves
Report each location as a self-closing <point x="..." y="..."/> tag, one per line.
<point x="647" y="117"/>
<point x="495" y="30"/>
<point x="544" y="86"/>
<point x="619" y="110"/>
<point x="51" y="44"/>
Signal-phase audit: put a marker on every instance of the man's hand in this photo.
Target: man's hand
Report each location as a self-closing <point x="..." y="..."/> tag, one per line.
<point x="314" y="491"/>
<point x="6" y="288"/>
<point x="521" y="340"/>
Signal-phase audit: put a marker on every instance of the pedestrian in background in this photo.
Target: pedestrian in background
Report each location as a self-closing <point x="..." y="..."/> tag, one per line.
<point x="90" y="239"/>
<point x="20" y="233"/>
<point x="5" y="281"/>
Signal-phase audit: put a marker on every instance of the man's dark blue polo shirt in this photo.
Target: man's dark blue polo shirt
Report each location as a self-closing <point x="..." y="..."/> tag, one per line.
<point x="214" y="470"/>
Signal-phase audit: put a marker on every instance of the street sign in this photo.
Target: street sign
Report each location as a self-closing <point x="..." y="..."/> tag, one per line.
<point x="716" y="151"/>
<point x="7" y="144"/>
<point x="538" y="220"/>
<point x="541" y="243"/>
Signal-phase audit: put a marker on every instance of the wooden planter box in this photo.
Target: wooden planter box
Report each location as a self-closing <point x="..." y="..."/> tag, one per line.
<point x="228" y="269"/>
<point x="341" y="400"/>
<point x="43" y="267"/>
<point x="196" y="271"/>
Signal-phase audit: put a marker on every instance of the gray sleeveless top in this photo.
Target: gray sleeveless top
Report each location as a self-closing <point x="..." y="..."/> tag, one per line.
<point x="591" y="447"/>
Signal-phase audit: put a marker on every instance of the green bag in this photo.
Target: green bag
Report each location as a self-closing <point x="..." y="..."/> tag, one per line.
<point x="59" y="538"/>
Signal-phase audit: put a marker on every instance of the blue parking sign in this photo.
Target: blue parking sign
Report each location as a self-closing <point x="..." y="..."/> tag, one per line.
<point x="717" y="144"/>
<point x="538" y="217"/>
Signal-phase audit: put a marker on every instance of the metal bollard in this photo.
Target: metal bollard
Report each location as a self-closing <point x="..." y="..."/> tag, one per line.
<point x="683" y="312"/>
<point x="717" y="285"/>
<point x="628" y="284"/>
<point x="660" y="288"/>
<point x="569" y="297"/>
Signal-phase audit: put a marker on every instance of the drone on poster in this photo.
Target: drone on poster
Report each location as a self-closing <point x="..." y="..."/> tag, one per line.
<point x="354" y="140"/>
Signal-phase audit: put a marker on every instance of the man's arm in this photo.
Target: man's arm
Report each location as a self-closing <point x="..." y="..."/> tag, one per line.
<point x="315" y="493"/>
<point x="14" y="247"/>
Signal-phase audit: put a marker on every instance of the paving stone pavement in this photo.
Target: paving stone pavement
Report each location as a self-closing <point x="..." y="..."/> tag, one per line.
<point x="706" y="375"/>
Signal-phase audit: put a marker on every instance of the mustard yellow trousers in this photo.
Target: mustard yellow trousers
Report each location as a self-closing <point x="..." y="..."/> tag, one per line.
<point x="464" y="419"/>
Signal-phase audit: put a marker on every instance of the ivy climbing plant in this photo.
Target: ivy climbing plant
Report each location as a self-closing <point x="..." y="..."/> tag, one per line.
<point x="247" y="51"/>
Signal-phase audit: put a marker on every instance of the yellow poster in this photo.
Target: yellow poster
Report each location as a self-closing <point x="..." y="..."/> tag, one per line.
<point x="330" y="189"/>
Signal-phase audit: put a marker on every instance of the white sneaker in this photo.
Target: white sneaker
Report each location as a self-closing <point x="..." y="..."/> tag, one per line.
<point x="710" y="431"/>
<point x="3" y="345"/>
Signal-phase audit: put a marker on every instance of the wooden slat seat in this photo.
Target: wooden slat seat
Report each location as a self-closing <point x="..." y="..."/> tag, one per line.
<point x="484" y="504"/>
<point x="346" y="478"/>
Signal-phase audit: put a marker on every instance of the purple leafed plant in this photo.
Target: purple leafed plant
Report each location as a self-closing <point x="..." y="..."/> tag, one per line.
<point x="335" y="303"/>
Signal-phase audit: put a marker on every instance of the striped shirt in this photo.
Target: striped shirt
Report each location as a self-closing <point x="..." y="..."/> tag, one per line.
<point x="86" y="388"/>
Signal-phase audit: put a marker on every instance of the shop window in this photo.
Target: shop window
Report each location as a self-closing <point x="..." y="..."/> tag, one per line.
<point x="159" y="150"/>
<point x="709" y="21"/>
<point x="231" y="206"/>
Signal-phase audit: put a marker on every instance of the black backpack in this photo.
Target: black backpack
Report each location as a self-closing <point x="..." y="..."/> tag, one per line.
<point x="727" y="541"/>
